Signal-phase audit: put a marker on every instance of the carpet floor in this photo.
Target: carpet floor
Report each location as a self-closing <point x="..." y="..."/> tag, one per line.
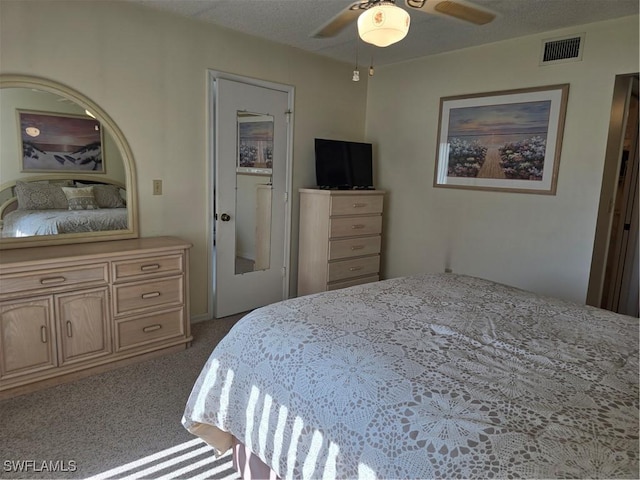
<point x="124" y="423"/>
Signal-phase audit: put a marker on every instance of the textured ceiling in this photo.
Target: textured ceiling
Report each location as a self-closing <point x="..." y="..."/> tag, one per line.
<point x="292" y="21"/>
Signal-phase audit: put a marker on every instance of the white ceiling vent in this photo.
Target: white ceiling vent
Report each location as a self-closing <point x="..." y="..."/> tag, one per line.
<point x="561" y="50"/>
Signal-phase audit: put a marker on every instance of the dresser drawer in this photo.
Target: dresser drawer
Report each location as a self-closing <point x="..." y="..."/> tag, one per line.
<point x="148" y="329"/>
<point x="356" y="204"/>
<point x="357" y="267"/>
<point x="353" y="282"/>
<point x="352" y="226"/>
<point x="147" y="267"/>
<point x="133" y="297"/>
<point x="56" y="277"/>
<point x="354" y="247"/>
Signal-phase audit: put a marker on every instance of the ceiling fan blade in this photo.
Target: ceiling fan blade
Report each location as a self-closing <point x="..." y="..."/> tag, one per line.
<point x="343" y="19"/>
<point x="464" y="12"/>
<point x="460" y="9"/>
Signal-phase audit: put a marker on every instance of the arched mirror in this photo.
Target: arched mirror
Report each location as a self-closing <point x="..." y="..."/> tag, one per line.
<point x="66" y="171"/>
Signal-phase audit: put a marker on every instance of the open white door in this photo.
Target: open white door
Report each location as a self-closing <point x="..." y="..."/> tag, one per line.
<point x="251" y="150"/>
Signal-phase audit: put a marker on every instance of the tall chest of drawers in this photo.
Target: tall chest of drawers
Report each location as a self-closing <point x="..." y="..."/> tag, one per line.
<point x="339" y="239"/>
<point x="69" y="311"/>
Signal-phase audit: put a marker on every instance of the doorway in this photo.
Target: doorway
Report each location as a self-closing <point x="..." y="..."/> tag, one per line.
<point x="250" y="137"/>
<point x="613" y="283"/>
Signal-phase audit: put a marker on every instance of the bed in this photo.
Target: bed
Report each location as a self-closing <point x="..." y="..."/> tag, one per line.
<point x="51" y="207"/>
<point x="25" y="223"/>
<point x="427" y="376"/>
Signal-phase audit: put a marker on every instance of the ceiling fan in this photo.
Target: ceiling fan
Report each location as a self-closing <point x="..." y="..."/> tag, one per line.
<point x="382" y="23"/>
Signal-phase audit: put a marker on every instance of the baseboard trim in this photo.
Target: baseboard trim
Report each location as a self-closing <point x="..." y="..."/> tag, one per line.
<point x="200" y="318"/>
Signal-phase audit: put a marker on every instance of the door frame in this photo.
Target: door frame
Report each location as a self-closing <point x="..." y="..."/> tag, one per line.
<point x="613" y="155"/>
<point x="211" y="125"/>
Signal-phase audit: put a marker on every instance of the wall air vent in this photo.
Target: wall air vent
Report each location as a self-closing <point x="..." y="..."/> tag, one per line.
<point x="561" y="50"/>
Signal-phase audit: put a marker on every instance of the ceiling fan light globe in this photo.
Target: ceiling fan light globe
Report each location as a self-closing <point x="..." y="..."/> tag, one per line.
<point x="383" y="25"/>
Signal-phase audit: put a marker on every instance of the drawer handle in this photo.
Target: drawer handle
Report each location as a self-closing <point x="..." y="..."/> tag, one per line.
<point x="43" y="334"/>
<point x="69" y="331"/>
<point x="152" y="266"/>
<point x="355" y="269"/>
<point x="357" y="247"/>
<point x="50" y="280"/>
<point x="359" y="205"/>
<point x="150" y="295"/>
<point x="152" y="328"/>
<point x="357" y="227"/>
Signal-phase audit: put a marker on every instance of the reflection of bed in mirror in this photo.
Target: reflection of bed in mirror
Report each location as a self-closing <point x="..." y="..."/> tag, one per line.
<point x="80" y="204"/>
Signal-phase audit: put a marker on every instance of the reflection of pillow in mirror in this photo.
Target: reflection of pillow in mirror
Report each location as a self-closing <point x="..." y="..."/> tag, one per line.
<point x="40" y="196"/>
<point x="107" y="196"/>
<point x="80" y="198"/>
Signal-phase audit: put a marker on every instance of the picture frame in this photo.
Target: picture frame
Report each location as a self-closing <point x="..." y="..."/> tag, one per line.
<point x="255" y="145"/>
<point x="59" y="142"/>
<point x="502" y="141"/>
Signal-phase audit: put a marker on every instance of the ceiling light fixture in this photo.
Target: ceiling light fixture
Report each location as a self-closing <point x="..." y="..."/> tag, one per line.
<point x="383" y="24"/>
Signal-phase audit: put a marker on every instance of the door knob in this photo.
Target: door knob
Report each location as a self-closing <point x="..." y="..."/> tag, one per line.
<point x="225" y="217"/>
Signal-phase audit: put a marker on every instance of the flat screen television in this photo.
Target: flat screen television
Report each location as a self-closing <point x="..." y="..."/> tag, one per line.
<point x="343" y="165"/>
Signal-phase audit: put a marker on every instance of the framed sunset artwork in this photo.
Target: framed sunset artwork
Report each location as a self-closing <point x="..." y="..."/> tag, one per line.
<point x="255" y="144"/>
<point x="509" y="140"/>
<point x="57" y="142"/>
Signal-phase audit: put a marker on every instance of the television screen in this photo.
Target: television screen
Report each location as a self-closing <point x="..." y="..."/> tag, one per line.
<point x="343" y="164"/>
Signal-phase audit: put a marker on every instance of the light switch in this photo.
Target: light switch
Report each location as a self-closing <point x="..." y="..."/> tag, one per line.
<point x="157" y="187"/>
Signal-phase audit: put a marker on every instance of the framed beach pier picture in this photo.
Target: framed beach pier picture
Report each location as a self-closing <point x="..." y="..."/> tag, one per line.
<point x="255" y="144"/>
<point x="509" y="140"/>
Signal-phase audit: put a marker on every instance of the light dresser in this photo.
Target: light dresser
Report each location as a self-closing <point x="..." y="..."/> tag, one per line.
<point x="68" y="311"/>
<point x="339" y="238"/>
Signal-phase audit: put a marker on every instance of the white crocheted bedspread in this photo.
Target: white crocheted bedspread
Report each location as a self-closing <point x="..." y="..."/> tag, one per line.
<point x="430" y="376"/>
<point x="25" y="223"/>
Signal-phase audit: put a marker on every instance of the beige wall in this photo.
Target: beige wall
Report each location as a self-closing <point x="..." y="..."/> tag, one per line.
<point x="148" y="70"/>
<point x="539" y="242"/>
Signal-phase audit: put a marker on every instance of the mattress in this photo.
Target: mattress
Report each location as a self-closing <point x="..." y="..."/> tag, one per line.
<point x="428" y="376"/>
